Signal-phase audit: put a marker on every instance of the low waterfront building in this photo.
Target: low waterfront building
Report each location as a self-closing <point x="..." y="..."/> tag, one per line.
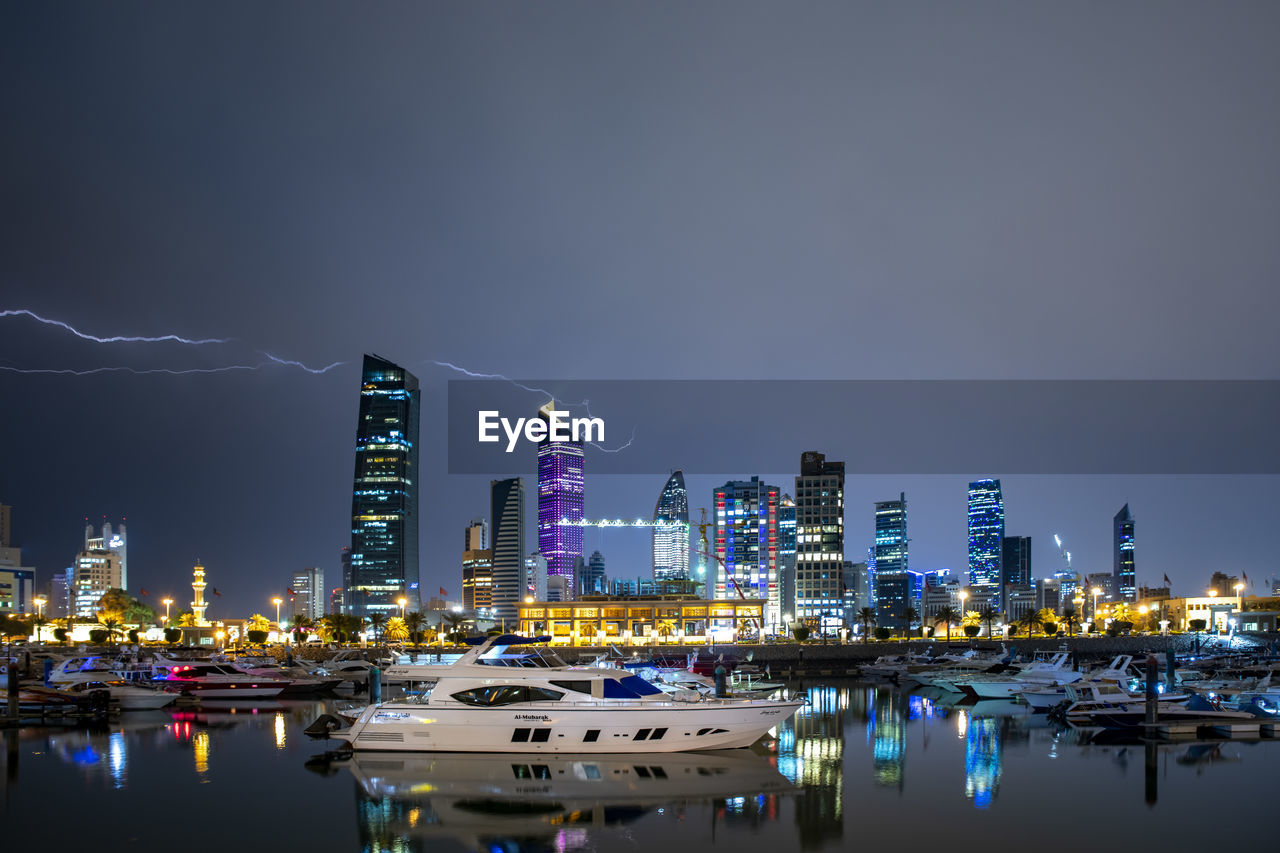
<point x="595" y="620"/>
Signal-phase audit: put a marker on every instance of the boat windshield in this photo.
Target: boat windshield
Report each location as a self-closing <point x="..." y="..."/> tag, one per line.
<point x="536" y="657"/>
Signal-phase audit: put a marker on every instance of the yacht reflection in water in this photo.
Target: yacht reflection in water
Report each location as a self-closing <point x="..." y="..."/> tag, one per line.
<point x="540" y="802"/>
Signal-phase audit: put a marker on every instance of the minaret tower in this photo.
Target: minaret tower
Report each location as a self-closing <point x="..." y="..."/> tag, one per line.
<point x="198" y="606"/>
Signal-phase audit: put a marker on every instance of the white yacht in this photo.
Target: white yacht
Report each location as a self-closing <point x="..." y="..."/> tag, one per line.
<point x="474" y="705"/>
<point x="128" y="695"/>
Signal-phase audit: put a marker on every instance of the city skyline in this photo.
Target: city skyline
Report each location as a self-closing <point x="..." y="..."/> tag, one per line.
<point x="587" y="201"/>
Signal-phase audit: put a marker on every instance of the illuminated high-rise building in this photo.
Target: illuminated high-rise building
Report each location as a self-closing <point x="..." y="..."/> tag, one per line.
<point x="890" y="584"/>
<point x="477" y="567"/>
<point x="671" y="531"/>
<point x="1124" y="573"/>
<point x="560" y="501"/>
<point x="819" y="573"/>
<point x="787" y="557"/>
<point x="307" y="594"/>
<point x="113" y="540"/>
<point x="986" y="532"/>
<point x="746" y="546"/>
<point x="510" y="582"/>
<point x="384" y="504"/>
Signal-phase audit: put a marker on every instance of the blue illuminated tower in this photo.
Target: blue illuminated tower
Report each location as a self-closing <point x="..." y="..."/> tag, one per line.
<point x="986" y="533"/>
<point x="384" y="503"/>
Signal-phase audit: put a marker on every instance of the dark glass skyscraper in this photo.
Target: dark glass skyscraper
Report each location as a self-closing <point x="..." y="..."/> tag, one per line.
<point x="384" y="504"/>
<point x="986" y="532"/>
<point x="1124" y="571"/>
<point x="671" y="531"/>
<point x="1015" y="561"/>
<point x="506" y="527"/>
<point x="560" y="498"/>
<point x="891" y="582"/>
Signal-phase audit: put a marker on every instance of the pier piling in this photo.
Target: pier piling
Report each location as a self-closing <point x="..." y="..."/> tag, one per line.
<point x="375" y="685"/>
<point x="1153" y="675"/>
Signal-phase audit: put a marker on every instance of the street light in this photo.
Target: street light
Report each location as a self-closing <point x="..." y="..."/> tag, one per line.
<point x="40" y="601"/>
<point x="402" y="602"/>
<point x="1097" y="591"/>
<point x="166" y="602"/>
<point x="277" y="602"/>
<point x="1237" y="588"/>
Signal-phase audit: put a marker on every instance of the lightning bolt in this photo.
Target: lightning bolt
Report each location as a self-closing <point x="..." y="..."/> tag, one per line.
<point x="116" y="339"/>
<point x="584" y="404"/>
<point x="314" y="370"/>
<point x="133" y="370"/>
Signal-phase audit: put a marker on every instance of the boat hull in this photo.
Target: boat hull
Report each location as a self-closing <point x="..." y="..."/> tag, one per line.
<point x="649" y="727"/>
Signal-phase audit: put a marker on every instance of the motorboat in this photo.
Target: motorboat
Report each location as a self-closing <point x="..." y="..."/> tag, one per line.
<point x="127" y="695"/>
<point x="1081" y="700"/>
<point x="1053" y="671"/>
<point x="300" y="681"/>
<point x="474" y="706"/>
<point x="215" y="680"/>
<point x="80" y="668"/>
<point x="1196" y="708"/>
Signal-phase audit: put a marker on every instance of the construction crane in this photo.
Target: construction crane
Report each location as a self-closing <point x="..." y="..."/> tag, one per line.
<point x="702" y="526"/>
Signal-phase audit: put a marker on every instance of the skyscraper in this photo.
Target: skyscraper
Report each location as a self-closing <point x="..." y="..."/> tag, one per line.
<point x="820" y="542"/>
<point x="115" y="541"/>
<point x="477" y="567"/>
<point x="384" y="504"/>
<point x="986" y="532"/>
<point x="594" y="581"/>
<point x="671" y="531"/>
<point x="787" y="557"/>
<point x="1015" y="567"/>
<point x="506" y="519"/>
<point x="307" y="594"/>
<point x="890" y="583"/>
<point x="746" y="545"/>
<point x="560" y="500"/>
<point x="1124" y="571"/>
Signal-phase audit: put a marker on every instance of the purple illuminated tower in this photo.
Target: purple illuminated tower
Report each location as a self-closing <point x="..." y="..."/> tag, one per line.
<point x="560" y="487"/>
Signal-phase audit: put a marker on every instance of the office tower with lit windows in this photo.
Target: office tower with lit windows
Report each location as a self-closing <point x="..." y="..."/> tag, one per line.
<point x="787" y="557"/>
<point x="671" y="531"/>
<point x="384" y="505"/>
<point x="560" y="503"/>
<point x="477" y="567"/>
<point x="506" y="526"/>
<point x="307" y="594"/>
<point x="889" y="563"/>
<point x="819" y="584"/>
<point x="986" y="533"/>
<point x="746" y="546"/>
<point x="1124" y="572"/>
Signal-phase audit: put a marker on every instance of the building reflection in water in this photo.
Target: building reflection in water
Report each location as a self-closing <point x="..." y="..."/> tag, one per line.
<point x="982" y="760"/>
<point x="280" y="730"/>
<point x="889" y="739"/>
<point x="811" y="754"/>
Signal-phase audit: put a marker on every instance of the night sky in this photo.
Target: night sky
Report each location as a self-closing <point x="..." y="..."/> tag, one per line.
<point x="613" y="191"/>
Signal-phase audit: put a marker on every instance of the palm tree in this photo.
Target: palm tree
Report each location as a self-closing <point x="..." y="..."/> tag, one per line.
<point x="988" y="615"/>
<point x="1031" y="619"/>
<point x="112" y="626"/>
<point x="456" y="622"/>
<point x="396" y="630"/>
<point x="1072" y="619"/>
<point x="911" y="615"/>
<point x="415" y="622"/>
<point x="301" y="625"/>
<point x="867" y="616"/>
<point x="949" y="616"/>
<point x="376" y="621"/>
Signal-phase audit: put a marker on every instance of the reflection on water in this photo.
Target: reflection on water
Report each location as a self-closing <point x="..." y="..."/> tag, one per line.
<point x="549" y="802"/>
<point x="982" y="760"/>
<point x="858" y="765"/>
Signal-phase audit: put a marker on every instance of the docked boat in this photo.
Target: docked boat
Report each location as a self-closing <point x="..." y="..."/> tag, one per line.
<point x="473" y="706"/>
<point x="1197" y="708"/>
<point x="1040" y="673"/>
<point x="213" y="680"/>
<point x="127" y="695"/>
